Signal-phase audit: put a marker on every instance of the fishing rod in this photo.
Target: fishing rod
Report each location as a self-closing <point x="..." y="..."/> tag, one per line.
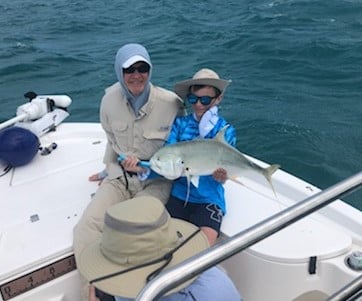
<point x="144" y="164"/>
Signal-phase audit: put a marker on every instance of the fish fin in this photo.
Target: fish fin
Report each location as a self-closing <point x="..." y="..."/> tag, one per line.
<point x="220" y="136"/>
<point x="188" y="178"/>
<point x="195" y="180"/>
<point x="268" y="172"/>
<point x="234" y="179"/>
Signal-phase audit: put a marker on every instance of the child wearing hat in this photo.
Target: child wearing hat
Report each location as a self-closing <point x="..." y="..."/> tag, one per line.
<point x="204" y="205"/>
<point x="136" y="245"/>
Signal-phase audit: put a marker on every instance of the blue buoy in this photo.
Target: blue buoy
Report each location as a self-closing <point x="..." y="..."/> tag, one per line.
<point x="18" y="146"/>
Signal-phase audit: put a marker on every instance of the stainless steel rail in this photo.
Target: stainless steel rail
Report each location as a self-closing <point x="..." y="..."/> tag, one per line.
<point x="351" y="291"/>
<point x="237" y="243"/>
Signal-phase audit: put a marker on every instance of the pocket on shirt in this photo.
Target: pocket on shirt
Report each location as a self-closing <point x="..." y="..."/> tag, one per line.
<point x="156" y="135"/>
<point x="154" y="140"/>
<point x="119" y="126"/>
<point x="120" y="131"/>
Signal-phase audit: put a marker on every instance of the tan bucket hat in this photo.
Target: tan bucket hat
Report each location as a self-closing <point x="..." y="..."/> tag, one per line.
<point x="137" y="235"/>
<point x="204" y="76"/>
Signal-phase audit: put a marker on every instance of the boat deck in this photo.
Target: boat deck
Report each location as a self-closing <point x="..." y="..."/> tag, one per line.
<point x="42" y="201"/>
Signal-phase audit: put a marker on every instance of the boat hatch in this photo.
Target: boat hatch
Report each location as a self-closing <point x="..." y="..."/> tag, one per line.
<point x="309" y="237"/>
<point x="305" y="239"/>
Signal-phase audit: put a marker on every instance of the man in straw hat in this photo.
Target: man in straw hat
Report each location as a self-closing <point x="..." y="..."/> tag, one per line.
<point x="204" y="205"/>
<point x="136" y="245"/>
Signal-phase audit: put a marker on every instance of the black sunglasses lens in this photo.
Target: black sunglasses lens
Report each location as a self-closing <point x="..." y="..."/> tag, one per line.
<point x="192" y="99"/>
<point x="128" y="70"/>
<point x="143" y="68"/>
<point x="205" y="100"/>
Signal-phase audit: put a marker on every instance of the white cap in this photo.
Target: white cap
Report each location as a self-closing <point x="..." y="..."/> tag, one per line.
<point x="134" y="59"/>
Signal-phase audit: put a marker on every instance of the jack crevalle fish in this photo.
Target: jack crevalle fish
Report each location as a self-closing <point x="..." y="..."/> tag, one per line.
<point x="202" y="157"/>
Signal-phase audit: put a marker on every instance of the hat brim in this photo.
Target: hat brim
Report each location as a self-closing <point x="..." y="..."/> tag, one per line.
<point x="134" y="59"/>
<point x="182" y="88"/>
<point x="92" y="264"/>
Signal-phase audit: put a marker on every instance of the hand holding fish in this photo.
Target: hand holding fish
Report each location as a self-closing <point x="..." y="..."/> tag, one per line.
<point x="220" y="175"/>
<point x="131" y="163"/>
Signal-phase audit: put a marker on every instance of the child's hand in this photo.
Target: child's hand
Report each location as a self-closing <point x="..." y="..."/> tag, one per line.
<point x="220" y="175"/>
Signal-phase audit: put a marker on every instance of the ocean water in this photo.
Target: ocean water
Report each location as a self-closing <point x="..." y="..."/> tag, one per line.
<point x="295" y="65"/>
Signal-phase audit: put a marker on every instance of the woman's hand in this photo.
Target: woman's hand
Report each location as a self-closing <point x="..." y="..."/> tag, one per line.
<point x="98" y="177"/>
<point x="130" y="163"/>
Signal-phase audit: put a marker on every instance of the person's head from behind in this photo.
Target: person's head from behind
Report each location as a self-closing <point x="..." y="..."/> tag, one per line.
<point x="204" y="91"/>
<point x="139" y="240"/>
<point x="133" y="68"/>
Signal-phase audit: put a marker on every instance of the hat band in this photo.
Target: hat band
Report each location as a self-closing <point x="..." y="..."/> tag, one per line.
<point x="132" y="228"/>
<point x="167" y="257"/>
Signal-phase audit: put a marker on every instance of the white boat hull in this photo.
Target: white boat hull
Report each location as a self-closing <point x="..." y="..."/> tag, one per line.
<point x="42" y="201"/>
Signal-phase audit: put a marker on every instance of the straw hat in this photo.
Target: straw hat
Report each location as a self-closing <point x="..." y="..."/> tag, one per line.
<point x="136" y="232"/>
<point x="204" y="76"/>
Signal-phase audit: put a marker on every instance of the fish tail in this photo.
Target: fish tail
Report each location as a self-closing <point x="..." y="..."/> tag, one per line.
<point x="268" y="172"/>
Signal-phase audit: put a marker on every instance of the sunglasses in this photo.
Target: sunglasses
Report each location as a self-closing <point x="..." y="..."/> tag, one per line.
<point x="144" y="68"/>
<point x="205" y="100"/>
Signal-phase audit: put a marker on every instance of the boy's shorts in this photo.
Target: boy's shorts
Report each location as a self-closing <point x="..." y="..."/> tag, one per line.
<point x="199" y="214"/>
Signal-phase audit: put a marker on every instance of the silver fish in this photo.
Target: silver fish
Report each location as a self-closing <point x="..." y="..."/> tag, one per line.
<point x="202" y="157"/>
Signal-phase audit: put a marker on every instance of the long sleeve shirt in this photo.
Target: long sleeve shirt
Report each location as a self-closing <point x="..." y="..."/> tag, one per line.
<point x="211" y="285"/>
<point x="140" y="135"/>
<point x="186" y="128"/>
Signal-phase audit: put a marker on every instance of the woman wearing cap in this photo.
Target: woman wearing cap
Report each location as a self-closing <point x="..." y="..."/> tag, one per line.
<point x="136" y="117"/>
<point x="136" y="245"/>
<point x="205" y="204"/>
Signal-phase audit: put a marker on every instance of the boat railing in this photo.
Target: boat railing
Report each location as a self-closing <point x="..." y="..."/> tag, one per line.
<point x="241" y="241"/>
<point x="351" y="291"/>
